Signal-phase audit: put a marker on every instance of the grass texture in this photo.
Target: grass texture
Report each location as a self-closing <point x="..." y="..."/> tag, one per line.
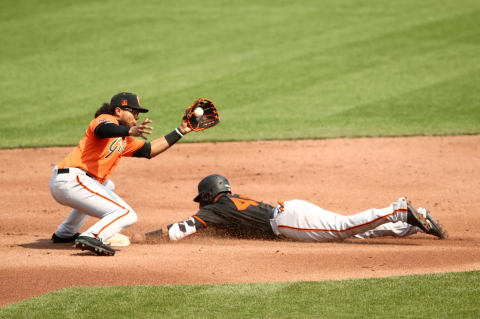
<point x="276" y="69"/>
<point x="453" y="295"/>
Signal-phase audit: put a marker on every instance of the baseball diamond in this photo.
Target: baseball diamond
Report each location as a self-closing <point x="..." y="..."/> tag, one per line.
<point x="332" y="173"/>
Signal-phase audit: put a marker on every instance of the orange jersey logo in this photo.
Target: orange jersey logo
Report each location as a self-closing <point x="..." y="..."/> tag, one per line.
<point x="100" y="156"/>
<point x="242" y="202"/>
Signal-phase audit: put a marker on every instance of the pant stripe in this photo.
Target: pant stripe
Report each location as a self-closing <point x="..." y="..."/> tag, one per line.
<point x="344" y="230"/>
<point x="108" y="199"/>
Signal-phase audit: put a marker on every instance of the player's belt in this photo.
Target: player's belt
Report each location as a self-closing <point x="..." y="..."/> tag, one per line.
<point x="67" y="171"/>
<point x="273" y="213"/>
<point x="276" y="211"/>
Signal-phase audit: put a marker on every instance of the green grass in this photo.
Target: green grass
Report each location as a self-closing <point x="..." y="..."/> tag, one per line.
<point x="276" y="69"/>
<point x="452" y="295"/>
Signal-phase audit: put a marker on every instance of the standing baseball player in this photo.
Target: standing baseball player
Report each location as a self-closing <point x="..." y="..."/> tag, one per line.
<point x="297" y="219"/>
<point x="81" y="182"/>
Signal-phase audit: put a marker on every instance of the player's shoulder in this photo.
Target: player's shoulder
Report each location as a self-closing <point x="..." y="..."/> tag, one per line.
<point x="104" y="118"/>
<point x="243" y="197"/>
<point x="235" y="200"/>
<point x="224" y="198"/>
<point x="238" y="196"/>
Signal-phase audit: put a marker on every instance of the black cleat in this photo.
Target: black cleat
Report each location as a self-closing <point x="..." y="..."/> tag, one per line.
<point x="60" y="240"/>
<point x="436" y="229"/>
<point x="416" y="219"/>
<point x="95" y="245"/>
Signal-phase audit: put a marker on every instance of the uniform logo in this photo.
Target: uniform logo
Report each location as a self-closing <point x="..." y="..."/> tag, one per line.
<point x="116" y="145"/>
<point x="124" y="102"/>
<point x="242" y="203"/>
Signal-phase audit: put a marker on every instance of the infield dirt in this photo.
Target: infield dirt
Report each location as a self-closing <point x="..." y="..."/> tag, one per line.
<point x="341" y="175"/>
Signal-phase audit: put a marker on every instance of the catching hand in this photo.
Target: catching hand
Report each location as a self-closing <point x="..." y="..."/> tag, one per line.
<point x="202" y="114"/>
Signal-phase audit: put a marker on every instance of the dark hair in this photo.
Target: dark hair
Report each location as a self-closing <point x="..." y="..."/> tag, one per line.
<point x="105" y="109"/>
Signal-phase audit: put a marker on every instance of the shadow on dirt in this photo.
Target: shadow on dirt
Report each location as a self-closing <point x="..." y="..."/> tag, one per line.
<point x="393" y="242"/>
<point x="46" y="244"/>
<point x="89" y="254"/>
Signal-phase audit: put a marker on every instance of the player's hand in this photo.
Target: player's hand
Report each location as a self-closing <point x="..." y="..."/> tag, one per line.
<point x="157" y="236"/>
<point x="140" y="130"/>
<point x="184" y="128"/>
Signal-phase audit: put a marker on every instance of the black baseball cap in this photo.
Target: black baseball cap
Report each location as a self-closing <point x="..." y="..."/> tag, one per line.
<point x="126" y="99"/>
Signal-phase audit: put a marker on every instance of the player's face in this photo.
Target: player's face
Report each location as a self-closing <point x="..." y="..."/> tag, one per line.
<point x="129" y="116"/>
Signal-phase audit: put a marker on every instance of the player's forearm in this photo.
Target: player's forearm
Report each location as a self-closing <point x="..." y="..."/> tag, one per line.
<point x="165" y="142"/>
<point x="158" y="146"/>
<point x="181" y="230"/>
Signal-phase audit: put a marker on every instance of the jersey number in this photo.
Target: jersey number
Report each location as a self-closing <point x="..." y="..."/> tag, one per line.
<point x="116" y="145"/>
<point x="243" y="203"/>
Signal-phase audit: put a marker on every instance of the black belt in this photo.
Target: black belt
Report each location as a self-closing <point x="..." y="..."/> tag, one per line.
<point x="277" y="210"/>
<point x="67" y="170"/>
<point x="272" y="213"/>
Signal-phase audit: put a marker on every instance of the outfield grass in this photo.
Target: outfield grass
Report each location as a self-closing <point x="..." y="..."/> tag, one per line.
<point x="276" y="69"/>
<point x="453" y="295"/>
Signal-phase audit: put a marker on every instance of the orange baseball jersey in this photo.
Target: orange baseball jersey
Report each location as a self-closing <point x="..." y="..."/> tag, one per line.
<point x="100" y="156"/>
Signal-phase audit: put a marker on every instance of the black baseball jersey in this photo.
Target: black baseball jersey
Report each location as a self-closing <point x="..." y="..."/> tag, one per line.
<point x="238" y="215"/>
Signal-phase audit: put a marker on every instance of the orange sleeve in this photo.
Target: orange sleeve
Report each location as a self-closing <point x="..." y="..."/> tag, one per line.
<point x="103" y="118"/>
<point x="132" y="146"/>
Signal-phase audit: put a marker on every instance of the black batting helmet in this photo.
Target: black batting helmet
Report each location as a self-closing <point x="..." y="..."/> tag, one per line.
<point x="211" y="186"/>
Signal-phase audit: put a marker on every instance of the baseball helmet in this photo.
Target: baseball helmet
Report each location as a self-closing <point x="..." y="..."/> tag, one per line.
<point x="211" y="186"/>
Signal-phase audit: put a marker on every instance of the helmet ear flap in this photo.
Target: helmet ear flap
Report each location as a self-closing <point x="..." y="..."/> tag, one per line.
<point x="206" y="197"/>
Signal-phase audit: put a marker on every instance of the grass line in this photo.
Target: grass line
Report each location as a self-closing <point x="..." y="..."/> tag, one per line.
<point x="450" y="295"/>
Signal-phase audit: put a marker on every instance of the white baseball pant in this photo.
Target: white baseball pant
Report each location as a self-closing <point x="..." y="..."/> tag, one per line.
<point x="304" y="221"/>
<point x="88" y="197"/>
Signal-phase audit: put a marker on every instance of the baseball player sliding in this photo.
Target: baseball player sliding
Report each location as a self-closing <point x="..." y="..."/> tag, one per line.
<point x="81" y="182"/>
<point x="296" y="219"/>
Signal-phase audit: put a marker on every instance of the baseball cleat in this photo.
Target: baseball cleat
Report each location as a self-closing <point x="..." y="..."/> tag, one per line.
<point x="60" y="240"/>
<point x="416" y="219"/>
<point x="95" y="245"/>
<point x="436" y="229"/>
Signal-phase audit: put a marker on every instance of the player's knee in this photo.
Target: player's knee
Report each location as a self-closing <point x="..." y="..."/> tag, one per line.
<point x="132" y="218"/>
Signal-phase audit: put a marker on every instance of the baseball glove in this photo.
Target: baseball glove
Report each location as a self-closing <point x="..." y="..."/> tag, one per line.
<point x="208" y="119"/>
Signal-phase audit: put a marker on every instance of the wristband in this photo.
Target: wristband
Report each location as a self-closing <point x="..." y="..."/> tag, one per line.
<point x="173" y="137"/>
